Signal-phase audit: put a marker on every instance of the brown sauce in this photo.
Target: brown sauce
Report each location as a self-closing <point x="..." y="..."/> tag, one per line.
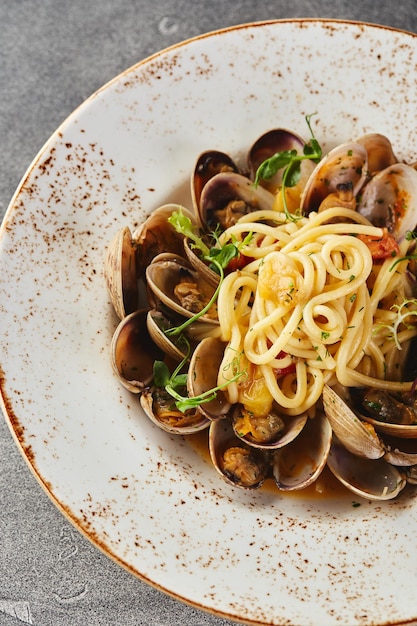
<point x="326" y="487"/>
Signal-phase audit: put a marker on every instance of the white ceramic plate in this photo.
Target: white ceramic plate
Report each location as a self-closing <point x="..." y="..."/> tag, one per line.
<point x="152" y="501"/>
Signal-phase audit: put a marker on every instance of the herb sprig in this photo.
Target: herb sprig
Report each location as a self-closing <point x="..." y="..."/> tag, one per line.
<point x="218" y="258"/>
<point x="410" y="235"/>
<point x="176" y="382"/>
<point x="291" y="161"/>
<point x="403" y="313"/>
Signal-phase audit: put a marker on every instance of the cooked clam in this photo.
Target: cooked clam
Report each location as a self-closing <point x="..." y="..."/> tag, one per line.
<point x="347" y="165"/>
<point x="237" y="463"/>
<point x="229" y="195"/>
<point x="352" y="432"/>
<point x="270" y="143"/>
<point x="180" y="288"/>
<point x="174" y="346"/>
<point x="388" y="414"/>
<point x="299" y="463"/>
<point x="389" y="199"/>
<point x="133" y="352"/>
<point x="370" y="479"/>
<point x="120" y="273"/>
<point x="209" y="163"/>
<point x="268" y="431"/>
<point x="202" y="267"/>
<point x="156" y="235"/>
<point x="160" y="407"/>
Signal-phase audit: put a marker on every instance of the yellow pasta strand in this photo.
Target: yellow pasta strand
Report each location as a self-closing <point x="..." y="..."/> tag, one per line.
<point x="310" y="307"/>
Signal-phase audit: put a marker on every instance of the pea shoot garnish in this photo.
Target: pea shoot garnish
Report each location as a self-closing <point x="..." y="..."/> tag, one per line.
<point x="290" y="161"/>
<point x="404" y="312"/>
<point x="218" y="257"/>
<point x="175" y="384"/>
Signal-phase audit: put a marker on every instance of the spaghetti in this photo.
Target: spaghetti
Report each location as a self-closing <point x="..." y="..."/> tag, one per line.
<point x="311" y="306"/>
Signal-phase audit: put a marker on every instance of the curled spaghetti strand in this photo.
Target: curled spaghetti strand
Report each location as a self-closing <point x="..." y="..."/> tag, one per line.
<point x="310" y="307"/>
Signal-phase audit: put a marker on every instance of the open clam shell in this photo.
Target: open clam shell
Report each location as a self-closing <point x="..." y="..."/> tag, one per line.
<point x="403" y="431"/>
<point x="370" y="479"/>
<point x="390" y="199"/>
<point x="208" y="164"/>
<point x="298" y="464"/>
<point x="161" y="410"/>
<point x="156" y="235"/>
<point x="268" y="144"/>
<point x="164" y="277"/>
<point x="237" y="463"/>
<point x="380" y="151"/>
<point x="157" y="323"/>
<point x="347" y="164"/>
<point x="288" y="429"/>
<point x="203" y="268"/>
<point x="349" y="429"/>
<point x="271" y="142"/>
<point x="229" y="195"/>
<point x="133" y="352"/>
<point x="202" y="376"/>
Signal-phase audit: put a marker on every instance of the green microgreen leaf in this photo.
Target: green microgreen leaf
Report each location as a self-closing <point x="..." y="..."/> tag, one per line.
<point x="161" y="374"/>
<point x="410" y="257"/>
<point x="403" y="313"/>
<point x="218" y="258"/>
<point x="176" y="383"/>
<point x="179" y="381"/>
<point x="293" y="174"/>
<point x="290" y="162"/>
<point x="273" y="164"/>
<point x="184" y="226"/>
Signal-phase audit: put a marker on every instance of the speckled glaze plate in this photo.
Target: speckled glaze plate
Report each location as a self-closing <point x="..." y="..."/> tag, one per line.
<point x="152" y="501"/>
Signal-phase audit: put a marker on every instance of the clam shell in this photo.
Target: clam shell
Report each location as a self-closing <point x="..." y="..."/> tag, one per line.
<point x="202" y="376"/>
<point x="380" y="151"/>
<point x="165" y="273"/>
<point x="299" y="463"/>
<point x="222" y="438"/>
<point x="349" y="429"/>
<point x="156" y="235"/>
<point x="403" y="431"/>
<point x="147" y="403"/>
<point x="156" y="324"/>
<point x="120" y="273"/>
<point x="347" y="163"/>
<point x="271" y="142"/>
<point x="208" y="164"/>
<point x="293" y="427"/>
<point x="370" y="479"/>
<point x="204" y="270"/>
<point x="133" y="352"/>
<point x="228" y="187"/>
<point x="390" y="199"/>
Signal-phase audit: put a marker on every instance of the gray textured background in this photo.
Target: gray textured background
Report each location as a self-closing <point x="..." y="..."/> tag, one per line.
<point x="54" y="54"/>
